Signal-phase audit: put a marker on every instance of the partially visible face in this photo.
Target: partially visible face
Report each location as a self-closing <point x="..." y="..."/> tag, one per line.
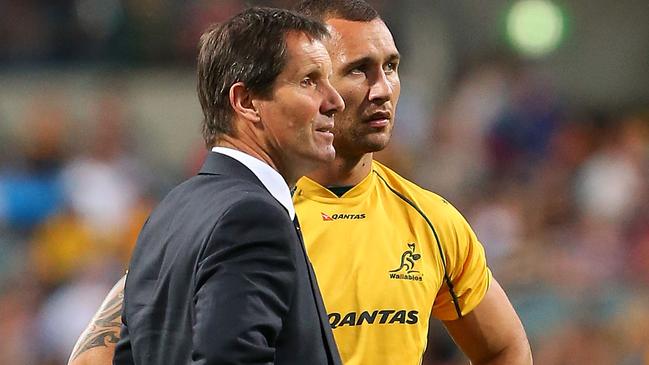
<point x="298" y="117"/>
<point x="365" y="73"/>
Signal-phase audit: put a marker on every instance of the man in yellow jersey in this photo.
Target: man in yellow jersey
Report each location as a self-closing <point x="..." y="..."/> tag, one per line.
<point x="388" y="254"/>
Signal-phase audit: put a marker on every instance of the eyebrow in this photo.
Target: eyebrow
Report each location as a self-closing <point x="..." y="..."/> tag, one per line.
<point x="313" y="69"/>
<point x="395" y="56"/>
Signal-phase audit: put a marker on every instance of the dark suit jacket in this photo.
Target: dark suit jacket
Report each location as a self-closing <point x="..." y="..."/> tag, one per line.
<point x="220" y="276"/>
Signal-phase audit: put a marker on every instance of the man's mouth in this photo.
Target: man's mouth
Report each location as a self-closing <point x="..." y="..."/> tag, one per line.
<point x="325" y="128"/>
<point x="379" y="119"/>
<point x="325" y="131"/>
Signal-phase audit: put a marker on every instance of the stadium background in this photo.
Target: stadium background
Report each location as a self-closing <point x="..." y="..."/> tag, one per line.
<point x="543" y="146"/>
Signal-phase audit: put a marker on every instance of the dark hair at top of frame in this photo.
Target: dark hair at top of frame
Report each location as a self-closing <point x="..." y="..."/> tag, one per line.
<point x="250" y="48"/>
<point x="354" y="10"/>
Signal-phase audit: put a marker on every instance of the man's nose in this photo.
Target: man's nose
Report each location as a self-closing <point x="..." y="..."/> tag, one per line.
<point x="333" y="102"/>
<point x="380" y="88"/>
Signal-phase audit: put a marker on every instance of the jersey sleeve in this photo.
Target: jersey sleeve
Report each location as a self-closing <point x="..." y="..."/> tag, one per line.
<point x="466" y="266"/>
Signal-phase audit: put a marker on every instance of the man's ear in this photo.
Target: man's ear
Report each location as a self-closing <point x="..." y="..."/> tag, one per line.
<point x="241" y="100"/>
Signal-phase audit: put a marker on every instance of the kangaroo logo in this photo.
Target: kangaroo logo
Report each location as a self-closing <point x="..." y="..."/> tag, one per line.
<point x="408" y="259"/>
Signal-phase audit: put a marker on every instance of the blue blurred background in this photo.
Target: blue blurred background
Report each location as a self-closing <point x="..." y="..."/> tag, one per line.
<point x="531" y="116"/>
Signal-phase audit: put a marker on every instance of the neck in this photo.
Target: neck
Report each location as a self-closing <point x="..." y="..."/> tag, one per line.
<point x="343" y="171"/>
<point x="256" y="151"/>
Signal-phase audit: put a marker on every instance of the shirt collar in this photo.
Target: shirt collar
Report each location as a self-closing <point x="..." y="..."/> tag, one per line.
<point x="272" y="180"/>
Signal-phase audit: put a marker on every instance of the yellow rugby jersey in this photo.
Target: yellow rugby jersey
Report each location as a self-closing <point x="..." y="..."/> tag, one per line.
<point x="379" y="266"/>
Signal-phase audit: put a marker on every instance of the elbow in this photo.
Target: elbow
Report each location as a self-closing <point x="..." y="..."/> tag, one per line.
<point x="521" y="351"/>
<point x="517" y="352"/>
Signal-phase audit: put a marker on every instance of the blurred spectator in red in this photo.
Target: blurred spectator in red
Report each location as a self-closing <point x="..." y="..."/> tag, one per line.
<point x="19" y="300"/>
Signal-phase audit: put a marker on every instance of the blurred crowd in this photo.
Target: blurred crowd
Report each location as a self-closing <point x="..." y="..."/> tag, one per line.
<point x="111" y="32"/>
<point x="558" y="195"/>
<point x="69" y="216"/>
<point x="556" y="191"/>
<point x="114" y="32"/>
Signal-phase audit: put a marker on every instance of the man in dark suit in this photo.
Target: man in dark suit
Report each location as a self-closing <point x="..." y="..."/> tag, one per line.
<point x="219" y="274"/>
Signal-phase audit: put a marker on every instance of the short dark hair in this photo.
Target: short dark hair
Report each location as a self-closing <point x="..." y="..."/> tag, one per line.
<point x="354" y="10"/>
<point x="249" y="48"/>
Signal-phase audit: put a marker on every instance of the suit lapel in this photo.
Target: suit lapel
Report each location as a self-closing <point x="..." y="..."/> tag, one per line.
<point x="332" y="349"/>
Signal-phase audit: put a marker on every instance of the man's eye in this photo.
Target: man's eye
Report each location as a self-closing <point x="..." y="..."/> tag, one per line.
<point x="307" y="81"/>
<point x="391" y="66"/>
<point x="358" y="70"/>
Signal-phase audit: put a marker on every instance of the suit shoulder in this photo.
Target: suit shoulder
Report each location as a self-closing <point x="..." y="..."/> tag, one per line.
<point x="259" y="205"/>
<point x="218" y="183"/>
<point x="252" y="218"/>
<point x="201" y="202"/>
<point x="217" y="191"/>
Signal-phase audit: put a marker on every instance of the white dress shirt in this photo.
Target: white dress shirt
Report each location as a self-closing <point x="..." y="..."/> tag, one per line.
<point x="272" y="180"/>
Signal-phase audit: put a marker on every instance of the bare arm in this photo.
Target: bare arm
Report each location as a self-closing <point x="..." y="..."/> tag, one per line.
<point x="492" y="334"/>
<point x="96" y="345"/>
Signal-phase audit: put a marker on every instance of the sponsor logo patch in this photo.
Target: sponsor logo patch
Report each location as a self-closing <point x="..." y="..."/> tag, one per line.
<point x="338" y="216"/>
<point x="406" y="269"/>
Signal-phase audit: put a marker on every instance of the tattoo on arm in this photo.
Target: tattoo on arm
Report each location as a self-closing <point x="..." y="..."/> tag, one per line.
<point x="105" y="326"/>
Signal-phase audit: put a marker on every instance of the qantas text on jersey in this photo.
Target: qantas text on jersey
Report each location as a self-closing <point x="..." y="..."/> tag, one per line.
<point x="333" y="217"/>
<point x="379" y="316"/>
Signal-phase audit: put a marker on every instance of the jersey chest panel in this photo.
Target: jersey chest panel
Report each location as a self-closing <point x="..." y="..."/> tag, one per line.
<point x="379" y="270"/>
